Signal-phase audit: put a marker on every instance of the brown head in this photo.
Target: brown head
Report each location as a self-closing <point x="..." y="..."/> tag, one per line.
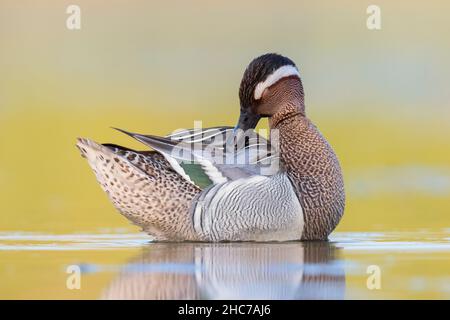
<point x="270" y="83"/>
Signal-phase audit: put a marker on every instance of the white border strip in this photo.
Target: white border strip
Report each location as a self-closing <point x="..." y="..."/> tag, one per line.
<point x="282" y="72"/>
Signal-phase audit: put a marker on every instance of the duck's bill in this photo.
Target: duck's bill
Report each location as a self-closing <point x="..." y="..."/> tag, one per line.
<point x="247" y="121"/>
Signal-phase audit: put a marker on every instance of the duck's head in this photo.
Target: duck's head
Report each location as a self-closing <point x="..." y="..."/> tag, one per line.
<point x="269" y="83"/>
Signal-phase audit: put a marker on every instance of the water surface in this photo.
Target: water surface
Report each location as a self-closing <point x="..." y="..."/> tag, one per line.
<point x="412" y="264"/>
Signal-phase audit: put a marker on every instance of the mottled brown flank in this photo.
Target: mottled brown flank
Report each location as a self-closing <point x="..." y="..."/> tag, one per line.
<point x="147" y="191"/>
<point x="314" y="170"/>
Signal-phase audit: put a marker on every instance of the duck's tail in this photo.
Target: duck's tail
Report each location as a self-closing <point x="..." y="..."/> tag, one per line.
<point x="144" y="188"/>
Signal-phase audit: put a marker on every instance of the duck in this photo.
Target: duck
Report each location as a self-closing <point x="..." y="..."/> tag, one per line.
<point x="230" y="183"/>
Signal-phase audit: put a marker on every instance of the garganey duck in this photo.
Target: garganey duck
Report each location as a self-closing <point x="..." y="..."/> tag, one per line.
<point x="231" y="184"/>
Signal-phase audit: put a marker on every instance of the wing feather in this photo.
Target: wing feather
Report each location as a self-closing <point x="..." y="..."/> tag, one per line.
<point x="209" y="150"/>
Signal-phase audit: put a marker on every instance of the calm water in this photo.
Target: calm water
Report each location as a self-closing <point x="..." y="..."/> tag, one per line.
<point x="126" y="266"/>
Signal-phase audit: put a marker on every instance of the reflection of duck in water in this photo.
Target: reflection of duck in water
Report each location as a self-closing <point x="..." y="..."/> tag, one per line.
<point x="232" y="271"/>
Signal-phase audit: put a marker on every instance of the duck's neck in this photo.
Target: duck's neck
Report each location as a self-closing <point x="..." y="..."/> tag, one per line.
<point x="290" y="113"/>
<point x="313" y="169"/>
<point x="294" y="134"/>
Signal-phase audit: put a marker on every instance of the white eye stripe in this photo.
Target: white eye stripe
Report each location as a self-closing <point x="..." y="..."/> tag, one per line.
<point x="282" y="72"/>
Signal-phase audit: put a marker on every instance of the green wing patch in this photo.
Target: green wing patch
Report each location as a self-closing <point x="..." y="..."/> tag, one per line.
<point x="196" y="173"/>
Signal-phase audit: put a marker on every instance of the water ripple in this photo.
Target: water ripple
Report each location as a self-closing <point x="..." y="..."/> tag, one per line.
<point x="417" y="241"/>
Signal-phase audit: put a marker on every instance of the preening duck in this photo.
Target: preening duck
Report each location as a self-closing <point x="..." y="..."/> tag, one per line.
<point x="231" y="184"/>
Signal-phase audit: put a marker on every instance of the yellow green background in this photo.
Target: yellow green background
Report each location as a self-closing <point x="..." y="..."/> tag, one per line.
<point x="380" y="97"/>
